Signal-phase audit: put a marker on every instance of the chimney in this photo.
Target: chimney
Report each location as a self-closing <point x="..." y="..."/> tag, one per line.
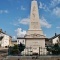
<point x="55" y="34"/>
<point x="0" y="30"/>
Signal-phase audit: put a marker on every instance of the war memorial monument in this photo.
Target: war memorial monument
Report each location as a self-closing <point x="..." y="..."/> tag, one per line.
<point x="34" y="37"/>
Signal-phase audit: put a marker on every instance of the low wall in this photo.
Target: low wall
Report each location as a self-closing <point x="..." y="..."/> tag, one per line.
<point x="33" y="58"/>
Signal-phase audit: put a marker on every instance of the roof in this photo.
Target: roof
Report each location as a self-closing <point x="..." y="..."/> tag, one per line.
<point x="14" y="41"/>
<point x="54" y="37"/>
<point x="46" y="39"/>
<point x="20" y="37"/>
<point x="29" y="38"/>
<point x="3" y="33"/>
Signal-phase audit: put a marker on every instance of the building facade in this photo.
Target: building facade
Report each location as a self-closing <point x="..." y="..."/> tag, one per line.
<point x="5" y="40"/>
<point x="55" y="39"/>
<point x="20" y="40"/>
<point x="14" y="43"/>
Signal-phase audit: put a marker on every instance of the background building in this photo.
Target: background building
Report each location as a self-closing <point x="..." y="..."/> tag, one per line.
<point x="14" y="42"/>
<point x="20" y="40"/>
<point x="5" y="40"/>
<point x="55" y="39"/>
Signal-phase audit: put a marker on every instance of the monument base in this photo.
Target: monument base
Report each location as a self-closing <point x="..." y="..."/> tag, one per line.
<point x="35" y="44"/>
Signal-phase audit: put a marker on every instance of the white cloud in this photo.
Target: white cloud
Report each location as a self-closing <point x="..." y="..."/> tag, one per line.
<point x="56" y="11"/>
<point x="19" y="21"/>
<point x="44" y="23"/>
<point x="6" y="11"/>
<point x="3" y="11"/>
<point x="14" y="38"/>
<point x="20" y="32"/>
<point x="16" y="22"/>
<point x="58" y="27"/>
<point x="25" y="21"/>
<point x="43" y="6"/>
<point x="54" y="3"/>
<point x="45" y="35"/>
<point x="23" y="8"/>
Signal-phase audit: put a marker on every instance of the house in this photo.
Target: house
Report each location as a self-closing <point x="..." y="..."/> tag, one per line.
<point x="14" y="42"/>
<point x="20" y="40"/>
<point x="51" y="41"/>
<point x="47" y="42"/>
<point x="55" y="39"/>
<point x="5" y="39"/>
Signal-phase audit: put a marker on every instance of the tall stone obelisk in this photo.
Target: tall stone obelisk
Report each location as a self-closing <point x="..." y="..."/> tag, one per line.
<point x="35" y="27"/>
<point x="34" y="17"/>
<point x="35" y="37"/>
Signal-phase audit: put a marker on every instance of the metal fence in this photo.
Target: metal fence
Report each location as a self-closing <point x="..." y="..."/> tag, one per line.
<point x="31" y="51"/>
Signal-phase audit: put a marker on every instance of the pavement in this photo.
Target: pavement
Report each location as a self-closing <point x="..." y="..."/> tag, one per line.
<point x="3" y="53"/>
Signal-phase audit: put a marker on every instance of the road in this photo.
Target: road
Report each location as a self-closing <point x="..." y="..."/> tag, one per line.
<point x="3" y="53"/>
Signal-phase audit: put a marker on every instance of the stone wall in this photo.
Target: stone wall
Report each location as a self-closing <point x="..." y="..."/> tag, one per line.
<point x="33" y="58"/>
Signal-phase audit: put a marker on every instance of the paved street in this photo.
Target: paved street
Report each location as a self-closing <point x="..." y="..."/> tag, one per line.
<point x="3" y="53"/>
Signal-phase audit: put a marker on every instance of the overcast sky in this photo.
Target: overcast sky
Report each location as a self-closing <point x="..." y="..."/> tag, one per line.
<point x="15" y="16"/>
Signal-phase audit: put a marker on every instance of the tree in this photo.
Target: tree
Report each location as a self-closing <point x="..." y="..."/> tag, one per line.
<point x="55" y="49"/>
<point x="21" y="47"/>
<point x="14" y="50"/>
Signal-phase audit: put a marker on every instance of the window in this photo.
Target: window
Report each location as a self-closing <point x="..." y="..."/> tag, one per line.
<point x="23" y="40"/>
